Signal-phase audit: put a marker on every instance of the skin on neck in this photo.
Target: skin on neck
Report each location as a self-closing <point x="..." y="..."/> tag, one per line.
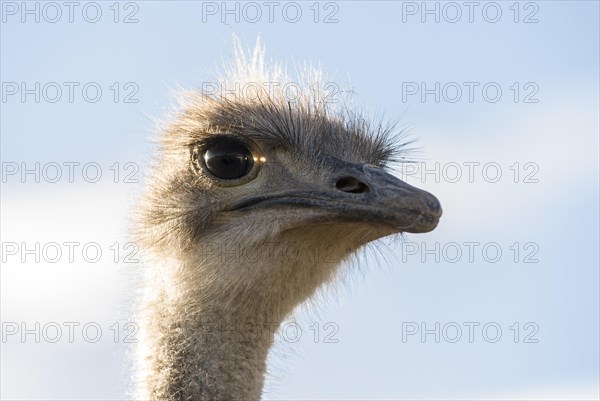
<point x="214" y="356"/>
<point x="210" y="321"/>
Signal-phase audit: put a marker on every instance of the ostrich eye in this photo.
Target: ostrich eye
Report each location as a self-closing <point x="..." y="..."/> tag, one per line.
<point x="228" y="159"/>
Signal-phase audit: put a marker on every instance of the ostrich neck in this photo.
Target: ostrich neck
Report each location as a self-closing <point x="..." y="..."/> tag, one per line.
<point x="205" y="348"/>
<point x="209" y="323"/>
<point x="212" y="357"/>
<point x="203" y="352"/>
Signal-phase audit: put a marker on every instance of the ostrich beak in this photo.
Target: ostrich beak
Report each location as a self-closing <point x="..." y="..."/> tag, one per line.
<point x="357" y="193"/>
<point x="390" y="200"/>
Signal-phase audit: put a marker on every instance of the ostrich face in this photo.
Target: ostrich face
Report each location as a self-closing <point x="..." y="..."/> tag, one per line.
<point x="259" y="178"/>
<point x="262" y="201"/>
<point x="252" y="171"/>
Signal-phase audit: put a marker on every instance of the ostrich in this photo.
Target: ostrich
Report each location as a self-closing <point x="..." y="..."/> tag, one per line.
<point x="252" y="204"/>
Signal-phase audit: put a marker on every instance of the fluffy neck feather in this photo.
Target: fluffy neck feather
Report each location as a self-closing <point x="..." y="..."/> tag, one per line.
<point x="209" y="322"/>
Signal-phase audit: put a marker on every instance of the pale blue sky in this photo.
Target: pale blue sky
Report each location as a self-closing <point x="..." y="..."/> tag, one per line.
<point x="371" y="47"/>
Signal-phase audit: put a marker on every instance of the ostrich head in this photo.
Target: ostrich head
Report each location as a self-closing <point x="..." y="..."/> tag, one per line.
<point x="256" y="198"/>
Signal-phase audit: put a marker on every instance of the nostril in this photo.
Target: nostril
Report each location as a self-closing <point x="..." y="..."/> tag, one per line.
<point x="352" y="185"/>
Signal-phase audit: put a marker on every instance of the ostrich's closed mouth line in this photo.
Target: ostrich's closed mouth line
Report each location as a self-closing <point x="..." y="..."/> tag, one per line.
<point x="343" y="208"/>
<point x="276" y="200"/>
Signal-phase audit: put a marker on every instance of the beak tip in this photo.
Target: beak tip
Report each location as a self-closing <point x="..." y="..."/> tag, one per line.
<point x="429" y="216"/>
<point x="435" y="208"/>
<point x="434" y="211"/>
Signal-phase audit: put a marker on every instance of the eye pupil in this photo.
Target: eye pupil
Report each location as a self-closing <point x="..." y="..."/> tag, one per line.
<point x="228" y="159"/>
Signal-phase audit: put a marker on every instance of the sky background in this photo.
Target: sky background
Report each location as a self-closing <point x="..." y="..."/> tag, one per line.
<point x="548" y="211"/>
